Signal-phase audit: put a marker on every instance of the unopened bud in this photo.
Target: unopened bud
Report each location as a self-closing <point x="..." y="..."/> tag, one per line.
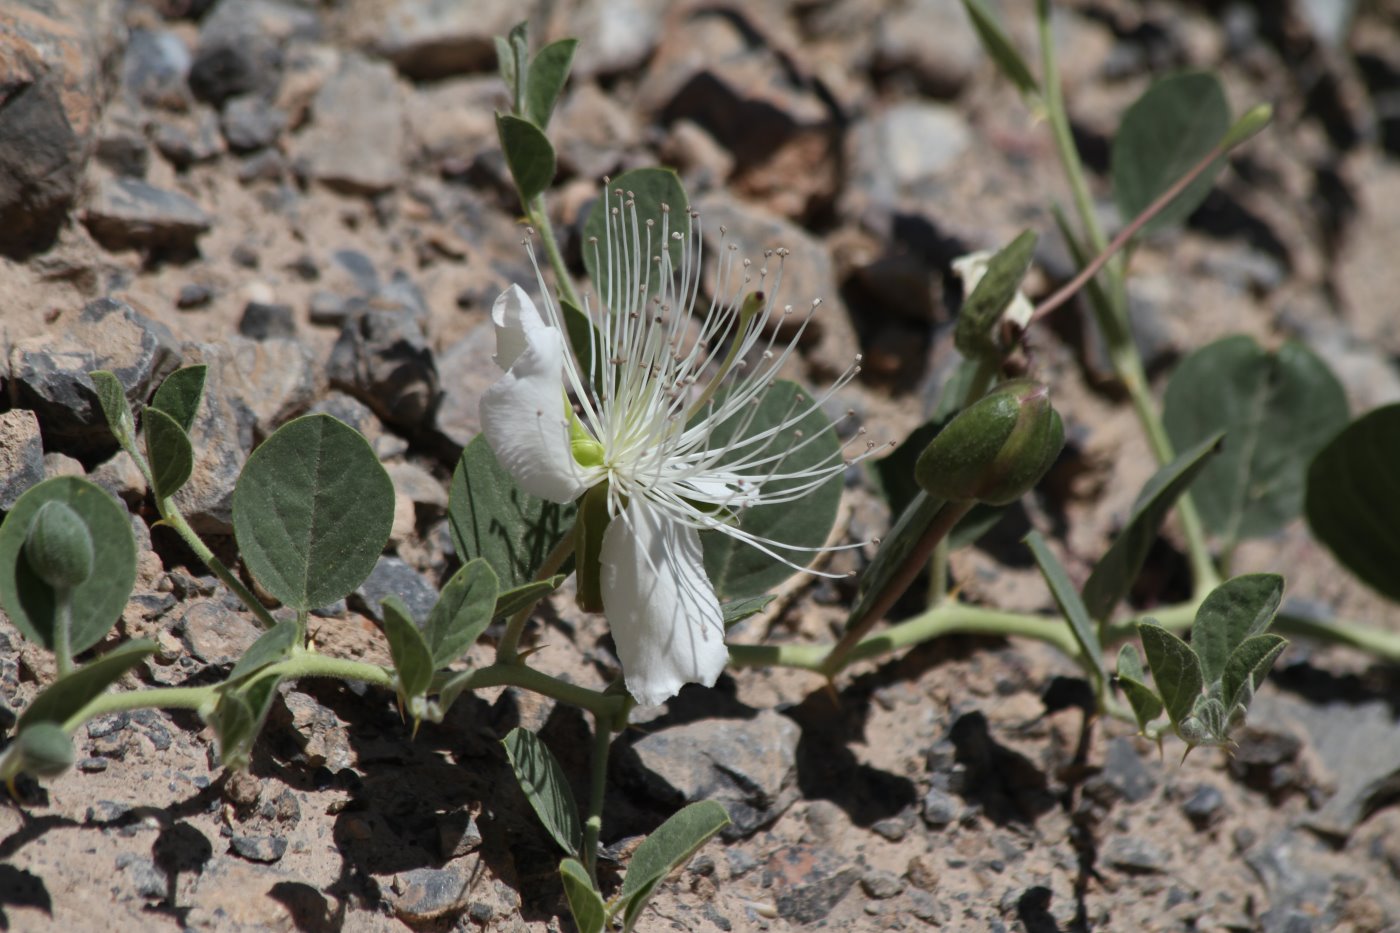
<point x="44" y="750"/>
<point x="996" y="449"/>
<point x="59" y="546"/>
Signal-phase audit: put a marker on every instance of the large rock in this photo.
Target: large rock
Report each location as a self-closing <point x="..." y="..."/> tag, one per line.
<point x="621" y="34"/>
<point x="268" y="382"/>
<point x="429" y="39"/>
<point x="931" y="41"/>
<point x="21" y="455"/>
<point x="53" y="63"/>
<point x="383" y="358"/>
<point x="241" y="46"/>
<point x="155" y="69"/>
<point x="356" y="138"/>
<point x="49" y="373"/>
<point x="128" y="213"/>
<point x="905" y="149"/>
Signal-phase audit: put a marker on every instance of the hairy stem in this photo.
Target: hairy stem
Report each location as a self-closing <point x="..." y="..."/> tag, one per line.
<point x="539" y="219"/>
<point x="173" y="518"/>
<point x="597" y="788"/>
<point x="63" y="629"/>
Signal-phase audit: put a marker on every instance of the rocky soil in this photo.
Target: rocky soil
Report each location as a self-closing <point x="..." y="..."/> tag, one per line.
<point x="309" y="198"/>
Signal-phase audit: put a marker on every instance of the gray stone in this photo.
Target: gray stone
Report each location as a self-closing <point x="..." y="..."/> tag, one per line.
<point x="106" y="811"/>
<point x="186" y="140"/>
<point x="931" y="41"/>
<point x="52" y="63"/>
<point x="155" y="67"/>
<point x="452" y="122"/>
<point x="1134" y="855"/>
<point x="906" y="149"/>
<point x="121" y="142"/>
<point x="268" y="382"/>
<point x="263" y="165"/>
<point x="423" y="488"/>
<point x="120" y="476"/>
<point x="383" y="358"/>
<point x="193" y="295"/>
<point x="1204" y="807"/>
<point x="469" y="367"/>
<point x="48" y="373"/>
<point x="127" y="213"/>
<point x="1301" y="898"/>
<point x="392" y="577"/>
<point x="327" y="309"/>
<point x="250" y="122"/>
<point x="807" y="882"/>
<point x="316" y="729"/>
<point x="214" y="633"/>
<point x="144" y="878"/>
<point x="21" y="455"/>
<point x="595" y="133"/>
<point x="458" y="834"/>
<point x="1125" y="771"/>
<point x="423" y="894"/>
<point x="748" y="765"/>
<point x="258" y="848"/>
<point x="241" y="46"/>
<point x="429" y="39"/>
<point x="941" y="808"/>
<point x="262" y="320"/>
<point x="356" y="139"/>
<point x="622" y="34"/>
<point x="881" y="884"/>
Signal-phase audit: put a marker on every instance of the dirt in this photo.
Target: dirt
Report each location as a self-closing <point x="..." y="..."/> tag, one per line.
<point x="952" y="786"/>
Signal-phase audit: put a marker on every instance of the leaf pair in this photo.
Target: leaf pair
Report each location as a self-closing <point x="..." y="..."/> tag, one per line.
<point x="165" y="424"/>
<point x="1206" y="687"/>
<point x="535" y="85"/>
<point x="672" y="844"/>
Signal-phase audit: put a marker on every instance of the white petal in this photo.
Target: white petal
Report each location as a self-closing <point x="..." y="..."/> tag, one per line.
<point x="517" y="322"/>
<point x="665" y="618"/>
<point x="523" y="414"/>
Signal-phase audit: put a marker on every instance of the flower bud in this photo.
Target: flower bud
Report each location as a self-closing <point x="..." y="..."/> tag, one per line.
<point x="44" y="750"/>
<point x="59" y="546"/>
<point x="996" y="449"/>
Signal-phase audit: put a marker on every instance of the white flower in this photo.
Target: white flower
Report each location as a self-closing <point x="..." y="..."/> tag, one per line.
<point x="661" y="391"/>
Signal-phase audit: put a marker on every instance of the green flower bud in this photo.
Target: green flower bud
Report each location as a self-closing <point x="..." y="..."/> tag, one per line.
<point x="59" y="546"/>
<point x="45" y="750"/>
<point x="996" y="449"/>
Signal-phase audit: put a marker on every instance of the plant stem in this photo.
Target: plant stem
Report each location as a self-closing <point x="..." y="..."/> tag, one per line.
<point x="63" y="629"/>
<point x="173" y="518"/>
<point x="155" y="698"/>
<point x="902" y="579"/>
<point x="597" y="787"/>
<point x="507" y="652"/>
<point x="539" y="219"/>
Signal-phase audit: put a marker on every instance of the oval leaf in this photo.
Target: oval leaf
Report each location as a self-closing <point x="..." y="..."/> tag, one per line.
<point x="69" y="694"/>
<point x="98" y="602"/>
<point x="169" y="451"/>
<point x="1247" y="667"/>
<point x="492" y="518"/>
<point x="1000" y="48"/>
<point x="546" y="787"/>
<point x="466" y="606"/>
<point x="650" y="188"/>
<point x="1276" y="409"/>
<point x="1235" y="610"/>
<point x="1353" y="498"/>
<point x="1175" y="670"/>
<point x="180" y="394"/>
<point x="1146" y="705"/>
<point x="975" y="333"/>
<point x="548" y="71"/>
<point x="585" y="903"/>
<point x="413" y="662"/>
<point x="312" y="511"/>
<point x="272" y="646"/>
<point x="115" y="406"/>
<point x="665" y="850"/>
<point x="1164" y="134"/>
<point x="739" y="570"/>
<point x="1113" y="575"/>
<point x="528" y="153"/>
<point x="513" y="600"/>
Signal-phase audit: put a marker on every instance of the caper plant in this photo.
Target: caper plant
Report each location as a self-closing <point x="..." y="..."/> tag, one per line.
<point x="639" y="438"/>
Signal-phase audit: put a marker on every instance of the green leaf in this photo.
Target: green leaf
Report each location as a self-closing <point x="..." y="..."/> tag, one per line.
<point x="546" y="788"/>
<point x="272" y="646"/>
<point x="465" y="607"/>
<point x="312" y="511"/>
<point x="413" y="660"/>
<point x="1164" y="134"/>
<point x="585" y="903"/>
<point x="115" y="406"/>
<point x="180" y="394"/>
<point x="739" y="570"/>
<point x="98" y="602"/>
<point x="1276" y="409"/>
<point x="1234" y="611"/>
<point x="1000" y="48"/>
<point x="239" y="717"/>
<point x="506" y="66"/>
<point x="513" y="600"/>
<point x="1353" y="498"/>
<point x="1247" y="667"/>
<point x="736" y="611"/>
<point x="548" y="72"/>
<point x="169" y="451"/>
<point x="528" y="153"/>
<point x="1175" y="670"/>
<point x="44" y="750"/>
<point x="650" y="188"/>
<point x="492" y="518"/>
<point x="1114" y="574"/>
<point x="975" y="333"/>
<point x="1255" y="120"/>
<point x="1067" y="598"/>
<point x="1146" y="705"/>
<point x="70" y="693"/>
<point x="667" y="849"/>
